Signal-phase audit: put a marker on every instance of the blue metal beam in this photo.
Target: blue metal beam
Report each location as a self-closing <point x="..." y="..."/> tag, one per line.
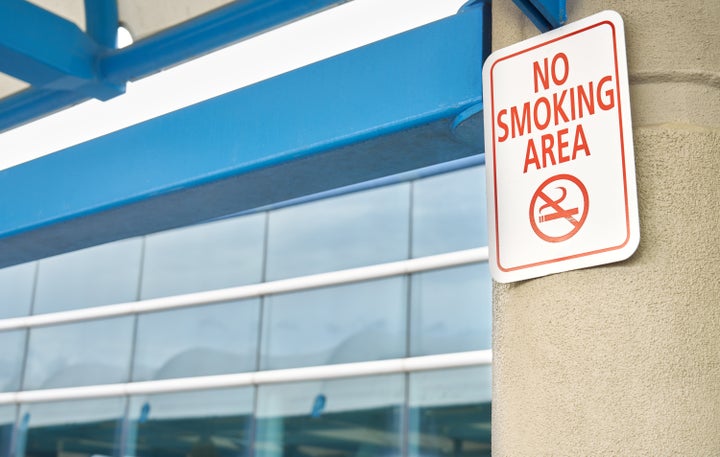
<point x="382" y="109"/>
<point x="236" y="21"/>
<point x="204" y="34"/>
<point x="49" y="52"/>
<point x="419" y="173"/>
<point x="34" y="103"/>
<point x="101" y="22"/>
<point x="545" y="14"/>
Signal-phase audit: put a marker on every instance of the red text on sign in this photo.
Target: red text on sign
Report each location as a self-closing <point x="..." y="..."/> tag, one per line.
<point x="555" y="149"/>
<point x="555" y="108"/>
<point x="540" y="74"/>
<point x="567" y="105"/>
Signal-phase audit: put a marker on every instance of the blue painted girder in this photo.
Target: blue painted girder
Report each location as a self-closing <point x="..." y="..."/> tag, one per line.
<point x="545" y="14"/>
<point x="49" y="52"/>
<point x="101" y="22"/>
<point x="114" y="67"/>
<point x="386" y="108"/>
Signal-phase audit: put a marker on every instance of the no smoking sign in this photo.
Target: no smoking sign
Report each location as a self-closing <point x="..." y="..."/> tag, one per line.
<point x="559" y="154"/>
<point x="553" y="216"/>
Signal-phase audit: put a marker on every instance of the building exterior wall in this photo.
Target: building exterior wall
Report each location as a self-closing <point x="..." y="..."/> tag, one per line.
<point x="430" y="313"/>
<point x="624" y="359"/>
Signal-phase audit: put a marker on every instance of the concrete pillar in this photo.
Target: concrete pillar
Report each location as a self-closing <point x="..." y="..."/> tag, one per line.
<point x="624" y="359"/>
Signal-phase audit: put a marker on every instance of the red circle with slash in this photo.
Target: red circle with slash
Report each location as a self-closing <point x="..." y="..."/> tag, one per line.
<point x="558" y="208"/>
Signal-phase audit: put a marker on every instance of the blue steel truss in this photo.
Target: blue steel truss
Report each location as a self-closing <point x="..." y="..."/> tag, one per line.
<point x="50" y="52"/>
<point x="65" y="65"/>
<point x="406" y="102"/>
<point x="545" y="14"/>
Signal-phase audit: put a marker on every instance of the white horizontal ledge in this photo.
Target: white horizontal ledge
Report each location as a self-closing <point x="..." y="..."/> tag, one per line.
<point x="257" y="378"/>
<point x="384" y="270"/>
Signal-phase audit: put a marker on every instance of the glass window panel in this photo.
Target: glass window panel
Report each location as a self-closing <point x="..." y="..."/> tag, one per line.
<point x="12" y="349"/>
<point x="71" y="429"/>
<point x="350" y="323"/>
<point x="450" y="413"/>
<point x="213" y="423"/>
<point x="7" y="422"/>
<point x="343" y="232"/>
<point x="359" y="417"/>
<point x="451" y="310"/>
<point x="449" y="212"/>
<point x="80" y="354"/>
<point x="100" y="275"/>
<point x="204" y="257"/>
<point x="205" y="340"/>
<point x="16" y="290"/>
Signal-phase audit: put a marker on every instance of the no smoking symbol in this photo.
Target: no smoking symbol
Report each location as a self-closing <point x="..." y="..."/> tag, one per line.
<point x="558" y="208"/>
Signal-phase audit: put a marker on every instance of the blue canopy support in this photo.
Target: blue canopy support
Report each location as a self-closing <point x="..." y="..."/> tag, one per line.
<point x="102" y="22"/>
<point x="545" y="14"/>
<point x="409" y="101"/>
<point x="99" y="70"/>
<point x="49" y="52"/>
<point x="238" y="20"/>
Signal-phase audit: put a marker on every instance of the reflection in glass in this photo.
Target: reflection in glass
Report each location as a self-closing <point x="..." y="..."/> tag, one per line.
<point x="450" y="413"/>
<point x="449" y="212"/>
<point x="81" y="354"/>
<point x="194" y="424"/>
<point x="7" y="419"/>
<point x="16" y="289"/>
<point x="204" y="257"/>
<point x="360" y="417"/>
<point x="12" y="348"/>
<point x="96" y="276"/>
<point x="344" y="232"/>
<point x="350" y="323"/>
<point x="451" y="310"/>
<point x="204" y="340"/>
<point x="71" y="429"/>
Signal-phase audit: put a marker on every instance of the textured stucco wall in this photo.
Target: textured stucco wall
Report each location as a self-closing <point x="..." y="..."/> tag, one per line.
<point x="624" y="359"/>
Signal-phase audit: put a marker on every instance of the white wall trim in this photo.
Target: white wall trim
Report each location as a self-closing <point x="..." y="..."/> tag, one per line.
<point x="384" y="270"/>
<point x="257" y="378"/>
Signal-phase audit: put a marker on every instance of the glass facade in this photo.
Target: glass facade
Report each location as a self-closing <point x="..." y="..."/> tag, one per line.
<point x="197" y="424"/>
<point x="450" y="412"/>
<point x="437" y="413"/>
<point x="354" y="417"/>
<point x="79" y="354"/>
<point x="64" y="429"/>
<point x="342" y="324"/>
<point x="350" y="231"/>
<point x="201" y="341"/>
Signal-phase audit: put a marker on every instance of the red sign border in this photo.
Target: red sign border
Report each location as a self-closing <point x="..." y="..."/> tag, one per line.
<point x="622" y="153"/>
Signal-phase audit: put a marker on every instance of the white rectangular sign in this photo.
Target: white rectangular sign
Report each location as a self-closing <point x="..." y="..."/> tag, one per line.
<point x="559" y="153"/>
